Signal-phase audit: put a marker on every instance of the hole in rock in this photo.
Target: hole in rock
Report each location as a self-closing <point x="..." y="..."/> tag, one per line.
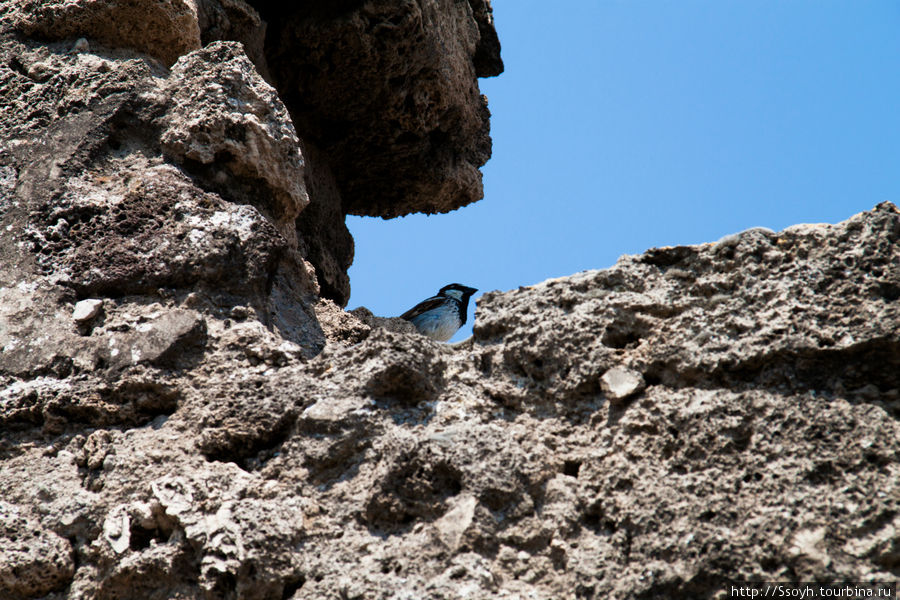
<point x="595" y="520"/>
<point x="140" y="537"/>
<point x="224" y="586"/>
<point x="624" y="332"/>
<point x="890" y="291"/>
<point x="416" y="491"/>
<point x="752" y="477"/>
<point x="617" y="338"/>
<point x="291" y="586"/>
<point x="571" y="468"/>
<point x="652" y="378"/>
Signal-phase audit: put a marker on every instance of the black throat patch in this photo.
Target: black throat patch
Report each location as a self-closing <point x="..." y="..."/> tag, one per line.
<point x="463" y="307"/>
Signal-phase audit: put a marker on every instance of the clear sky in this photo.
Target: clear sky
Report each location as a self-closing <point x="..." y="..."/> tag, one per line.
<point x="620" y="125"/>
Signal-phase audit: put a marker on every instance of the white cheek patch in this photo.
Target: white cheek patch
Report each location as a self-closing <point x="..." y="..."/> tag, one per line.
<point x="454" y="294"/>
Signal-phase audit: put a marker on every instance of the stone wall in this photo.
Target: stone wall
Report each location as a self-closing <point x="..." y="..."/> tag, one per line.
<point x="187" y="412"/>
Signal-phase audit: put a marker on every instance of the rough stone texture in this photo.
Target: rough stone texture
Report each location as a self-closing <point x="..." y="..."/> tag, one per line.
<point x="33" y="561"/>
<point x="222" y="112"/>
<point x="222" y="429"/>
<point x="389" y="92"/>
<point x="100" y="211"/>
<point x="487" y="53"/>
<point x="322" y="236"/>
<point x="234" y="20"/>
<point x="224" y="463"/>
<point x="165" y="29"/>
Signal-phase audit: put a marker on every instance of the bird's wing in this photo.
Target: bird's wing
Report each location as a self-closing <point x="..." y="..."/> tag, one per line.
<point x="423" y="306"/>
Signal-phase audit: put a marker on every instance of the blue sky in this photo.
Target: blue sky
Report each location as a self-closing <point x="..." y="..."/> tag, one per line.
<point x="623" y="125"/>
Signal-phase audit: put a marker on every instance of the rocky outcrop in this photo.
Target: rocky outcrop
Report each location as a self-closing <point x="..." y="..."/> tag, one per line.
<point x="186" y="411"/>
<point x="690" y="416"/>
<point x="164" y="30"/>
<point x="388" y="91"/>
<point x="388" y="109"/>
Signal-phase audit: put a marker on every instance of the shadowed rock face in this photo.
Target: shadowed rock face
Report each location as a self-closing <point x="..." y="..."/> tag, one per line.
<point x="385" y="97"/>
<point x="184" y="415"/>
<point x="389" y="92"/>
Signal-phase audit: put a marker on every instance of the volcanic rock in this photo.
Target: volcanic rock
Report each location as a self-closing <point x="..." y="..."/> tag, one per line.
<point x="692" y="416"/>
<point x="389" y="92"/>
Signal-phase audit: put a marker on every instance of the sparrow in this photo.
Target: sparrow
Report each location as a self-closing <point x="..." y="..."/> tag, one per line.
<point x="440" y="316"/>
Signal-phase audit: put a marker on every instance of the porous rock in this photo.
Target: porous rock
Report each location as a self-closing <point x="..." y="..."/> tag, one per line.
<point x="33" y="560"/>
<point x="499" y="466"/>
<point x="222" y="112"/>
<point x="166" y="29"/>
<point x="389" y="92"/>
<point x="234" y="20"/>
<point x="222" y="430"/>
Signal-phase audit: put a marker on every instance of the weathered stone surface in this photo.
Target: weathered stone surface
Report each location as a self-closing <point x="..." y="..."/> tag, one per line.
<point x="497" y="466"/>
<point x="390" y="323"/>
<point x="487" y="53"/>
<point x="222" y="429"/>
<point x="222" y="112"/>
<point x="99" y="98"/>
<point x="237" y="21"/>
<point x="166" y="29"/>
<point x="33" y="561"/>
<point x="95" y="207"/>
<point x="322" y="236"/>
<point x="389" y="92"/>
<point x="160" y="339"/>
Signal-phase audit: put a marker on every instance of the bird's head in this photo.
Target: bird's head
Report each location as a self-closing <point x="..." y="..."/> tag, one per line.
<point x="457" y="290"/>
